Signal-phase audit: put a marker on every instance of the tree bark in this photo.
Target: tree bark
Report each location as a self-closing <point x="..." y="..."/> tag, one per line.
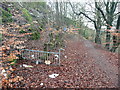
<point x="116" y="39"/>
<point x="97" y="37"/>
<point x="108" y="18"/>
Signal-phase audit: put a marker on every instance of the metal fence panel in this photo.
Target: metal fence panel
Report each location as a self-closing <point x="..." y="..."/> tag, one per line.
<point x="41" y="56"/>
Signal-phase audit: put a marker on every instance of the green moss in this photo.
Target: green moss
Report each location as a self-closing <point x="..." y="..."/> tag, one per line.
<point x="27" y="15"/>
<point x="6" y="16"/>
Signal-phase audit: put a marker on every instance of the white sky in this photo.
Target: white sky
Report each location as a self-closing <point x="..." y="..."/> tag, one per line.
<point x="53" y="0"/>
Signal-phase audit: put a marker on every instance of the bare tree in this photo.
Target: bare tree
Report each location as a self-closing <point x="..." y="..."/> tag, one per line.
<point x="116" y="39"/>
<point x="108" y="16"/>
<point x="96" y="22"/>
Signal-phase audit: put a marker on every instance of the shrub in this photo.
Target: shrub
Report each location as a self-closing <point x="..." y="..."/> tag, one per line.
<point x="6" y="16"/>
<point x="27" y="15"/>
<point x="22" y="31"/>
<point x="9" y="9"/>
<point x="35" y="35"/>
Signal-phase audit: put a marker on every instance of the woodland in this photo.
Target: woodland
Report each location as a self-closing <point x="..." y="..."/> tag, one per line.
<point x="59" y="44"/>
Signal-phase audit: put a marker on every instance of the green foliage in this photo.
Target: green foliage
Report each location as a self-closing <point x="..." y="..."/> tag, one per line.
<point x="6" y="16"/>
<point x="27" y="15"/>
<point x="13" y="62"/>
<point x="40" y="28"/>
<point x="22" y="31"/>
<point x="9" y="9"/>
<point x="35" y="35"/>
<point x="0" y="37"/>
<point x="58" y="39"/>
<point x="69" y="21"/>
<point x="49" y="46"/>
<point x="87" y="33"/>
<point x="55" y="41"/>
<point x="35" y="32"/>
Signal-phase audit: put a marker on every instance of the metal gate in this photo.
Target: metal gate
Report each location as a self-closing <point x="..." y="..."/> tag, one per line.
<point x="51" y="58"/>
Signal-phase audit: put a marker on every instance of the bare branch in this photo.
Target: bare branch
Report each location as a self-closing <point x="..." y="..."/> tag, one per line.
<point x="81" y="13"/>
<point x="95" y="24"/>
<point x="117" y="14"/>
<point x="102" y="14"/>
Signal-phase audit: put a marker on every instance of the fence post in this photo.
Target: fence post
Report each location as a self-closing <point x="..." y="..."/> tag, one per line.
<point x="59" y="56"/>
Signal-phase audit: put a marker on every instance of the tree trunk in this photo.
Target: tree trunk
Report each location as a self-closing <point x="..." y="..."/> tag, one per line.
<point x="98" y="25"/>
<point x="97" y="37"/>
<point x="107" y="46"/>
<point x="116" y="40"/>
<point x="57" y="15"/>
<point x="115" y="44"/>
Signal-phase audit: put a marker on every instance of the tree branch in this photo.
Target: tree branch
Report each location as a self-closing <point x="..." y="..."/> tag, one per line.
<point x="102" y="14"/>
<point x="95" y="25"/>
<point x="117" y="14"/>
<point x="81" y="13"/>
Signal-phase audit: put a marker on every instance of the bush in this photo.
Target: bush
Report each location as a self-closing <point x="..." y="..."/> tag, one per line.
<point x="6" y="16"/>
<point x="9" y="9"/>
<point x="35" y="35"/>
<point x="55" y="41"/>
<point x="49" y="46"/>
<point x="22" y="31"/>
<point x="27" y="15"/>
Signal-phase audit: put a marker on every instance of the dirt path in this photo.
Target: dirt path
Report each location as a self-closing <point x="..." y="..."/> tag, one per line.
<point x="99" y="59"/>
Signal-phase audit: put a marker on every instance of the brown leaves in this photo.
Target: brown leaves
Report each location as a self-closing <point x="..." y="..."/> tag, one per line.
<point x="8" y="82"/>
<point x="11" y="57"/>
<point x="22" y="35"/>
<point x="18" y="78"/>
<point x="116" y="34"/>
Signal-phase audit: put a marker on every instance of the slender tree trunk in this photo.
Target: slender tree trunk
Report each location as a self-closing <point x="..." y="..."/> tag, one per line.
<point x="57" y="15"/>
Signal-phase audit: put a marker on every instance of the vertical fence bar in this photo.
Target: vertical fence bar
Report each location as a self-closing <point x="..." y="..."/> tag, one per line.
<point x="29" y="54"/>
<point x="53" y="58"/>
<point x="59" y="57"/>
<point x="22" y="54"/>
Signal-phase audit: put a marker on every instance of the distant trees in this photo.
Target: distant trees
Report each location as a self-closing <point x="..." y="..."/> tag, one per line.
<point x="108" y="15"/>
<point x="96" y="21"/>
<point x="58" y="14"/>
<point x="105" y="13"/>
